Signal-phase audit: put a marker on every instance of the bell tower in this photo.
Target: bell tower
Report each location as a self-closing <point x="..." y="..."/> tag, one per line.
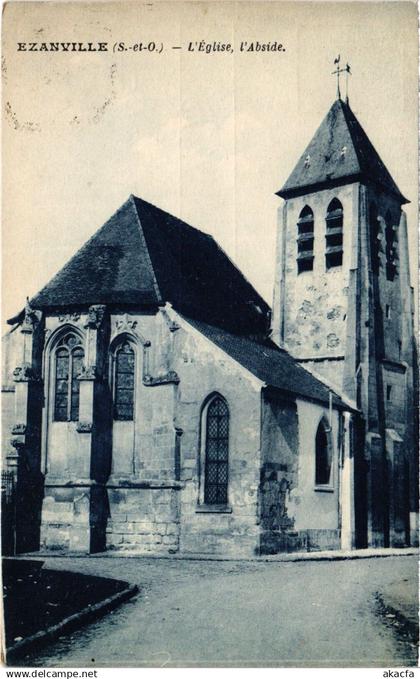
<point x="343" y="307"/>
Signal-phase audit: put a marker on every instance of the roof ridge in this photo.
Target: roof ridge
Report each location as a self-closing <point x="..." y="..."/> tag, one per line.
<point x="169" y="214"/>
<point x="194" y="228"/>
<point x="158" y="292"/>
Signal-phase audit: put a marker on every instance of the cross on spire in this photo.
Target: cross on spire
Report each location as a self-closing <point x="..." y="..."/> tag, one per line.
<point x="338" y="72"/>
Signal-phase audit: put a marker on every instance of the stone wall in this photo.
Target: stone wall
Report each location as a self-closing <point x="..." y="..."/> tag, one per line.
<point x="296" y="515"/>
<point x="310" y="308"/>
<point x="65" y="519"/>
<point x="279" y="475"/>
<point x="315" y="509"/>
<point x="144" y="520"/>
<point x="352" y="325"/>
<point x="148" y="498"/>
<point x="153" y="487"/>
<point x="11" y="351"/>
<point x="204" y="370"/>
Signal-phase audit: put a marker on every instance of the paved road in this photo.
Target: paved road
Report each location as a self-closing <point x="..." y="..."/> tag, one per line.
<point x="240" y="613"/>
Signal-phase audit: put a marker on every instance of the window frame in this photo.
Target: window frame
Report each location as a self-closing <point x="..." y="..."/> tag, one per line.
<point x="305" y="256"/>
<point x="334" y="231"/>
<point x="72" y="376"/>
<point x="204" y="506"/>
<point x="117" y="345"/>
<point x="327" y="487"/>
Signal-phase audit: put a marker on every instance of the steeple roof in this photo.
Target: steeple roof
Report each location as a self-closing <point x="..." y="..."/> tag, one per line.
<point x="144" y="257"/>
<point x="340" y="152"/>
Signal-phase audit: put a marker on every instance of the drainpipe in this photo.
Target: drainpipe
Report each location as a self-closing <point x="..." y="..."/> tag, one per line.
<point x="347" y="488"/>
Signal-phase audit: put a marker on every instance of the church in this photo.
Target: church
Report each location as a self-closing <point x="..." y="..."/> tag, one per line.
<point x="154" y="403"/>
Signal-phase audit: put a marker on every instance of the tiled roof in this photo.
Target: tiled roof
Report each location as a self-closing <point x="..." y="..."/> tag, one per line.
<point x="143" y="256"/>
<point x="270" y="364"/>
<point x="340" y="151"/>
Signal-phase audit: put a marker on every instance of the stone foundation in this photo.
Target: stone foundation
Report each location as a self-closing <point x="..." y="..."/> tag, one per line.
<point x="278" y="542"/>
<point x="144" y="520"/>
<point x="219" y="534"/>
<point x="323" y="539"/>
<point x="93" y="518"/>
<point x="65" y="519"/>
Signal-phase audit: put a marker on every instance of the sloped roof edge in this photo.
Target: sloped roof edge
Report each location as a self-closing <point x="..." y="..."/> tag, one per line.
<point x="339" y="152"/>
<point x="273" y="366"/>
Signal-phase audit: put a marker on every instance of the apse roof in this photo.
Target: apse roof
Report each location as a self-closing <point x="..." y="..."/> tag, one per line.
<point x="144" y="256"/>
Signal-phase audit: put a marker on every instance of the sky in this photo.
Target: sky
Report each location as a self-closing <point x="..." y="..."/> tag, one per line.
<point x="209" y="137"/>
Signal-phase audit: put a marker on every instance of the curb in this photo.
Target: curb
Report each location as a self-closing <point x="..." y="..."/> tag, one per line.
<point x="376" y="553"/>
<point x="72" y="622"/>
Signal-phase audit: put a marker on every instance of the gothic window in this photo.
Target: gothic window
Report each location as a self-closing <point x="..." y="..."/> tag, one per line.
<point x="69" y="356"/>
<point x="124" y="379"/>
<point x="322" y="455"/>
<point x="305" y="240"/>
<point x="334" y="234"/>
<point x="216" y="465"/>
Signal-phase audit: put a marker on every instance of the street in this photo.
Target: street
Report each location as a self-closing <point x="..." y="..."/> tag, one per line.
<point x="204" y="613"/>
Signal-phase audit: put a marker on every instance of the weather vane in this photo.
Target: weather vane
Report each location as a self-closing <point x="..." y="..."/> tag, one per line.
<point x="337" y="72"/>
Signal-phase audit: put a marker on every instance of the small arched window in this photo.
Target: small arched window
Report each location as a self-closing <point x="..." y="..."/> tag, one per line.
<point x="305" y="240"/>
<point x="334" y="234"/>
<point x="323" y="455"/>
<point x="69" y="356"/>
<point x="123" y="381"/>
<point x="216" y="464"/>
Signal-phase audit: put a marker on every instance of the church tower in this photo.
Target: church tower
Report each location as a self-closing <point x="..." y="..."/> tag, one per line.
<point x="343" y="307"/>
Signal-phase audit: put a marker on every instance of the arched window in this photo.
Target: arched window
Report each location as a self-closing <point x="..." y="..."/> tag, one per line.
<point x="305" y="240"/>
<point x="216" y="465"/>
<point x="322" y="455"/>
<point x="124" y="365"/>
<point x="69" y="356"/>
<point x="334" y="234"/>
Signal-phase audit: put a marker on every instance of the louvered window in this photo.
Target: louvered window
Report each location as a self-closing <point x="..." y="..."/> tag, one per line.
<point x="305" y="240"/>
<point x="334" y="235"/>
<point x="391" y="250"/>
<point x="124" y="374"/>
<point x="68" y="363"/>
<point x="216" y="472"/>
<point x="376" y="238"/>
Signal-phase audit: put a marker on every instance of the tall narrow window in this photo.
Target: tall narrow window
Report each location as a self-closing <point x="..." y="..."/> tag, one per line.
<point x="124" y="372"/>
<point x="216" y="469"/>
<point x="305" y="240"/>
<point x="322" y="456"/>
<point x="391" y="249"/>
<point x="376" y="238"/>
<point x="334" y="235"/>
<point x="69" y="356"/>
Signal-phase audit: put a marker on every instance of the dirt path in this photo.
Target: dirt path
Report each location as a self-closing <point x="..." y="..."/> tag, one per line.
<point x="229" y="613"/>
